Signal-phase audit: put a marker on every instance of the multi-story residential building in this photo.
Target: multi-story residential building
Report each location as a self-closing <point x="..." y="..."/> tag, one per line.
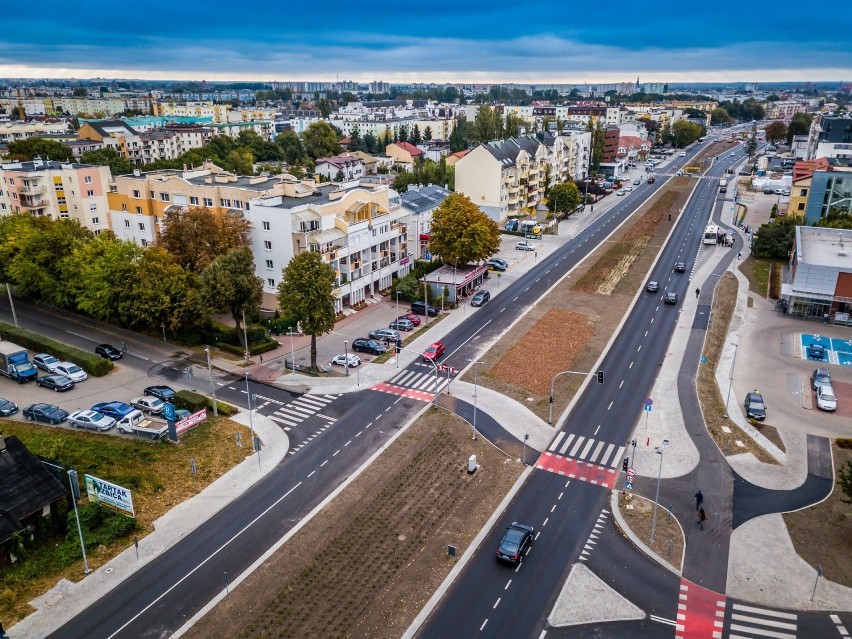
<point x="612" y="134"/>
<point x="347" y="165"/>
<point x="208" y="110"/>
<point x="419" y="202"/>
<point x="404" y="154"/>
<point x="784" y="110"/>
<point x="11" y="131"/>
<point x="655" y="87"/>
<point x="264" y="128"/>
<point x="830" y="136"/>
<point x="144" y="148"/>
<point x="57" y="189"/>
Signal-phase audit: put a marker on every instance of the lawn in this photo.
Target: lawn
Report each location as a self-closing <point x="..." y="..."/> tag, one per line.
<point x="756" y="271"/>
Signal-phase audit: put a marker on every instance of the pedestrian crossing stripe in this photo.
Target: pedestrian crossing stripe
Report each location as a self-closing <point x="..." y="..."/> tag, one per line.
<point x="581" y="447"/>
<point x="576" y="469"/>
<point x="762" y="622"/>
<point x="300" y="409"/>
<point x="411" y="393"/>
<point x="418" y="380"/>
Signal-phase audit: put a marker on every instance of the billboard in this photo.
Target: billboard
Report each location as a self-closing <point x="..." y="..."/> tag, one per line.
<point x="192" y="421"/>
<point x="110" y="495"/>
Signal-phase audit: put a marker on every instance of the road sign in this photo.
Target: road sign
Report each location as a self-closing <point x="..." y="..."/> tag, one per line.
<point x="628" y="485"/>
<point x="649" y="401"/>
<point x="647" y="408"/>
<point x="631" y="473"/>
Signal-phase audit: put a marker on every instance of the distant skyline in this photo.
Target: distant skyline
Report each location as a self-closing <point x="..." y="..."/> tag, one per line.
<point x="540" y="41"/>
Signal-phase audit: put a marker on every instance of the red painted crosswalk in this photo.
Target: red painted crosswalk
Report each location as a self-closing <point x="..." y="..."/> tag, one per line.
<point x="577" y="469"/>
<point x="700" y="614"/>
<point x="411" y="393"/>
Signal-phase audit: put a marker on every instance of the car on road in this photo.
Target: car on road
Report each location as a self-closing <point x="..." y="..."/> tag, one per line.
<point x="683" y="154"/>
<point x="46" y="362"/>
<point x="56" y="383"/>
<point x="148" y="404"/>
<point x="653" y="286"/>
<point x="769" y="191"/>
<point x="816" y="351"/>
<point x="166" y="393"/>
<point x="47" y="413"/>
<point x="71" y="370"/>
<point x="637" y="182"/>
<point x="107" y="351"/>
<point x="364" y="345"/>
<point x="680" y="267"/>
<point x="90" y="420"/>
<point x="523" y="245"/>
<point x="384" y="334"/>
<point x="497" y="264"/>
<point x="401" y="325"/>
<point x="820" y="377"/>
<point x="352" y="358"/>
<point x="116" y="410"/>
<point x="515" y="542"/>
<point x="433" y="352"/>
<point x="479" y="298"/>
<point x="754" y="406"/>
<point x="826" y="399"/>
<point x="670" y="298"/>
<point x="412" y="317"/>
<point x="7" y="407"/>
<point x="421" y="308"/>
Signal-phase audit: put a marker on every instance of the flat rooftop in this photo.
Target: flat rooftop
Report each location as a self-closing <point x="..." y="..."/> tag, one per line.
<point x="824" y="247"/>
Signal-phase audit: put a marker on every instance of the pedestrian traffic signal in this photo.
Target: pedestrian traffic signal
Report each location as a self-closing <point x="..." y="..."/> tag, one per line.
<point x="600" y="377"/>
<point x="398" y="345"/>
<point x="625" y="463"/>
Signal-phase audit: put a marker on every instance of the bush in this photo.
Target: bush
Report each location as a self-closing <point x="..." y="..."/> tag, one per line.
<point x="191" y="401"/>
<point x="89" y="362"/>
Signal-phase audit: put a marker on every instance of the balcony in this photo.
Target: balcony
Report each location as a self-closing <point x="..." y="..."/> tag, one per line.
<point x="34" y="205"/>
<point x="32" y="189"/>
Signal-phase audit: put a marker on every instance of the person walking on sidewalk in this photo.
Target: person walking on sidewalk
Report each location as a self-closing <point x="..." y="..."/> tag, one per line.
<point x="702" y="517"/>
<point x="699" y="499"/>
<point x="697" y="293"/>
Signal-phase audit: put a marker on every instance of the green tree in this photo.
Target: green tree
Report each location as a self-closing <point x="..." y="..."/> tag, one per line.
<point x="461" y="232"/>
<point x="196" y="237"/>
<point x="31" y="148"/>
<point x="564" y="199"/>
<point x="720" y="116"/>
<point x="324" y="107"/>
<point x="835" y="219"/>
<point x="402" y="133"/>
<point x="108" y="156"/>
<point x="416" y="138"/>
<point x="598" y="137"/>
<point x="305" y="293"/>
<point x="370" y="143"/>
<point x="320" y="141"/>
<point x="776" y="131"/>
<point x="240" y="161"/>
<point x="427" y="134"/>
<point x="458" y="136"/>
<point x="355" y="141"/>
<point x="80" y="92"/>
<point x="291" y="148"/>
<point x="776" y="238"/>
<point x="800" y="124"/>
<point x="229" y="284"/>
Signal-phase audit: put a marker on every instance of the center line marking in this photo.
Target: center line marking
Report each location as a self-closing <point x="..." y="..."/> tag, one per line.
<point x="324" y="463"/>
<point x="496" y="603"/>
<point x="312" y="472"/>
<point x="610" y="405"/>
<point x="483" y="625"/>
<point x="621" y="384"/>
<point x="597" y="429"/>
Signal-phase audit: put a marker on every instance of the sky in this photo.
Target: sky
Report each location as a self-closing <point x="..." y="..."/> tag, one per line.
<point x="487" y="41"/>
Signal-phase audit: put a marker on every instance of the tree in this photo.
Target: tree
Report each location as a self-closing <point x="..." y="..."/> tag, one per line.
<point x="31" y="148"/>
<point x="776" y="131"/>
<point x="229" y="284"/>
<point x="564" y="199"/>
<point x="320" y="140"/>
<point x="370" y="143"/>
<point x="240" y="161"/>
<point x="776" y="238"/>
<point x="427" y="133"/>
<point x="462" y="233"/>
<point x="355" y="141"/>
<point x="720" y="116"/>
<point x="291" y="148"/>
<point x="835" y="219"/>
<point x="305" y="294"/>
<point x="416" y="138"/>
<point x="458" y="137"/>
<point x="844" y="478"/>
<point x="800" y="124"/>
<point x="402" y="133"/>
<point x="80" y="92"/>
<point x="598" y="138"/>
<point x="196" y="237"/>
<point x="108" y="156"/>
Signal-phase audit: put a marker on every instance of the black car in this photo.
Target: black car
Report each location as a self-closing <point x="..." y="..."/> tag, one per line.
<point x="754" y="406"/>
<point x="421" y="308"/>
<point x="479" y="298"/>
<point x="670" y="298"/>
<point x="7" y="408"/>
<point x="56" y="382"/>
<point x="364" y="345"/>
<point x="108" y="352"/>
<point x="816" y="351"/>
<point x="515" y="542"/>
<point x="680" y="267"/>
<point x="497" y="264"/>
<point x="47" y="413"/>
<point x="652" y="287"/>
<point x="166" y="393"/>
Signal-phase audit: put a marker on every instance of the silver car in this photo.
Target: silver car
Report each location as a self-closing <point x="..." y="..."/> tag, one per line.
<point x="385" y="334"/>
<point x="91" y="420"/>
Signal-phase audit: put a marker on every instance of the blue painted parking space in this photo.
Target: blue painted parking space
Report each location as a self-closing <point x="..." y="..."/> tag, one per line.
<point x="818" y="340"/>
<point x="843" y="349"/>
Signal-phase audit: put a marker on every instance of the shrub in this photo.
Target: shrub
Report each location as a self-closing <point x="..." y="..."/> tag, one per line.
<point x="89" y="362"/>
<point x="191" y="401"/>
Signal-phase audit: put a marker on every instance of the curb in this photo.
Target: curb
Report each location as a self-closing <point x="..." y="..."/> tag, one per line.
<point x="628" y="532"/>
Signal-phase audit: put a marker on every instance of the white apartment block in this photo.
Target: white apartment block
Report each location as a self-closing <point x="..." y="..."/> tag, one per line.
<point x="144" y="148"/>
<point x="58" y="190"/>
<point x="264" y="128"/>
<point x="32" y="106"/>
<point x="441" y="128"/>
<point x="216" y="112"/>
<point x="350" y="166"/>
<point x="784" y="110"/>
<point x="11" y="131"/>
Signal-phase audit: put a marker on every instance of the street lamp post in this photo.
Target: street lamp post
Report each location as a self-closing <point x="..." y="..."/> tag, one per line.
<point x="12" y="305"/>
<point x="251" y="420"/>
<point x="657" y="498"/>
<point x="731" y="379"/>
<point x="586" y="197"/>
<point x="346" y="356"/>
<point x="75" y="495"/>
<point x="475" y="388"/>
<point x="212" y="386"/>
<point x="292" y="351"/>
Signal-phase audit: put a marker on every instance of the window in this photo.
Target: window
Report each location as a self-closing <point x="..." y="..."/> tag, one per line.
<point x="801" y="206"/>
<point x="803" y="192"/>
<point x="208" y="201"/>
<point x="88" y="179"/>
<point x="267" y="245"/>
<point x="141" y="226"/>
<point x="238" y="204"/>
<point x="96" y="220"/>
<point x="269" y="264"/>
<point x="123" y="207"/>
<point x="137" y="194"/>
<point x="270" y="282"/>
<point x="93" y="207"/>
<point x="144" y="242"/>
<point x="138" y="210"/>
<point x="193" y="200"/>
<point x="164" y="197"/>
<point x="127" y="224"/>
<point x="267" y="226"/>
<point x="225" y="202"/>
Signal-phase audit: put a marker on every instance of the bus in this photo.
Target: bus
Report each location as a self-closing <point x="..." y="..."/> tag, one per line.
<point x="711" y="234"/>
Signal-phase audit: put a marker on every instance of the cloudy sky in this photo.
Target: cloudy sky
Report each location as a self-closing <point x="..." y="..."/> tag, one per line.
<point x="473" y="41"/>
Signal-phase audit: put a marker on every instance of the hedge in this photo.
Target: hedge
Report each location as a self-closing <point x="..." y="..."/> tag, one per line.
<point x="191" y="401"/>
<point x="89" y="362"/>
<point x="254" y="349"/>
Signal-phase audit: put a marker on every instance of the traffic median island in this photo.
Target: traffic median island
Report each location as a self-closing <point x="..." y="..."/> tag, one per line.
<point x="638" y="521"/>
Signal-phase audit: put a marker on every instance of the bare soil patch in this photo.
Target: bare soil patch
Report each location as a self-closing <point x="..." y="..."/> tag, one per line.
<point x="638" y="514"/>
<point x="369" y="563"/>
<point x="820" y="534"/>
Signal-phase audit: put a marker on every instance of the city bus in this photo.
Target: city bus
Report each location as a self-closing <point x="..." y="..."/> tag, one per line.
<point x="711" y="234"/>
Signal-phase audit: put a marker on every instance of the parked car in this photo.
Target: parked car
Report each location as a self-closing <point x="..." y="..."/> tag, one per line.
<point x="401" y="325"/>
<point x="46" y="362"/>
<point x="384" y="334"/>
<point x="826" y="399"/>
<point x="670" y="298"/>
<point x="754" y="406"/>
<point x="816" y="351"/>
<point x="7" y="408"/>
<point x="90" y="420"/>
<point x="523" y="245"/>
<point x="653" y="286"/>
<point x="433" y="352"/>
<point x="166" y="393"/>
<point x="56" y="383"/>
<point x="680" y="267"/>
<point x="71" y="370"/>
<point x="479" y="298"/>
<point x="414" y="319"/>
<point x="820" y="377"/>
<point x="497" y="264"/>
<point x="628" y="188"/>
<point x="515" y="542"/>
<point x="512" y="225"/>
<point x="364" y="345"/>
<point x="620" y="192"/>
<point x="108" y="351"/>
<point x="352" y="358"/>
<point x="47" y="413"/>
<point x="421" y="308"/>
<point x="769" y="191"/>
<point x="637" y="182"/>
<point x="116" y="410"/>
<point x="148" y="404"/>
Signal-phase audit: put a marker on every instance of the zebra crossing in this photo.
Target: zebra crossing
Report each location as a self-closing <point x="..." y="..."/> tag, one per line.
<point x="414" y="384"/>
<point x="291" y="414"/>
<point x="587" y="449"/>
<point x="751" y="622"/>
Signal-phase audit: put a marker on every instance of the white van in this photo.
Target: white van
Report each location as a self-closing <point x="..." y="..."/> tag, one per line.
<point x="126" y="423"/>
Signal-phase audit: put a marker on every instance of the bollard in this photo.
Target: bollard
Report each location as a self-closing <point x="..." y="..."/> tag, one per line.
<point x="670" y="547"/>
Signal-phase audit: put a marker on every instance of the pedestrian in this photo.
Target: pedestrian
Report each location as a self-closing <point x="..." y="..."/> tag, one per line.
<point x="702" y="517"/>
<point x="699" y="499"/>
<point x="261" y="359"/>
<point x="697" y="293"/>
<point x="739" y="255"/>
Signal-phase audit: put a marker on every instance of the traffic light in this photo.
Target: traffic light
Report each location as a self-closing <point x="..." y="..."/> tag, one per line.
<point x="600" y="377"/>
<point x="625" y="463"/>
<point x="398" y="345"/>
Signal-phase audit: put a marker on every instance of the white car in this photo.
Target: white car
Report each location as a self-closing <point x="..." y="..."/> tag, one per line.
<point x="637" y="181"/>
<point x="46" y="362"/>
<point x="148" y="404"/>
<point x="91" y="420"/>
<point x="620" y="192"/>
<point x="683" y="154"/>
<point x="628" y="188"/>
<point x="524" y="246"/>
<point x="71" y="370"/>
<point x="352" y="358"/>
<point x="826" y="399"/>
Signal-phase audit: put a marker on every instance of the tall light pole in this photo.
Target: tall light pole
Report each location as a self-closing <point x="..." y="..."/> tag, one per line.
<point x="212" y="385"/>
<point x="397" y="303"/>
<point x="586" y="197"/>
<point x="475" y="388"/>
<point x="12" y="305"/>
<point x="251" y="420"/>
<point x="292" y="351"/>
<point x="75" y="495"/>
<point x="346" y="356"/>
<point x="731" y="379"/>
<point x="657" y="498"/>
<point x="255" y="441"/>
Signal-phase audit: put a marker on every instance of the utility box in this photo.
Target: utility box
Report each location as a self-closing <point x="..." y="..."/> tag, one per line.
<point x="471" y="465"/>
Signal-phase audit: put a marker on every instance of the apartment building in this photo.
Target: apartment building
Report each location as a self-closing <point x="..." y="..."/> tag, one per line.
<point x="347" y="165"/>
<point x="830" y="136"/>
<point x="60" y="190"/>
<point x="207" y="110"/>
<point x="12" y="131"/>
<point x="784" y="110"/>
<point x="144" y="148"/>
<point x="419" y="203"/>
<point x="264" y="128"/>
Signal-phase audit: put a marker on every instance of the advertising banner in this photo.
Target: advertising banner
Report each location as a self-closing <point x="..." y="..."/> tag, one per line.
<point x="192" y="421"/>
<point x="110" y="495"/>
